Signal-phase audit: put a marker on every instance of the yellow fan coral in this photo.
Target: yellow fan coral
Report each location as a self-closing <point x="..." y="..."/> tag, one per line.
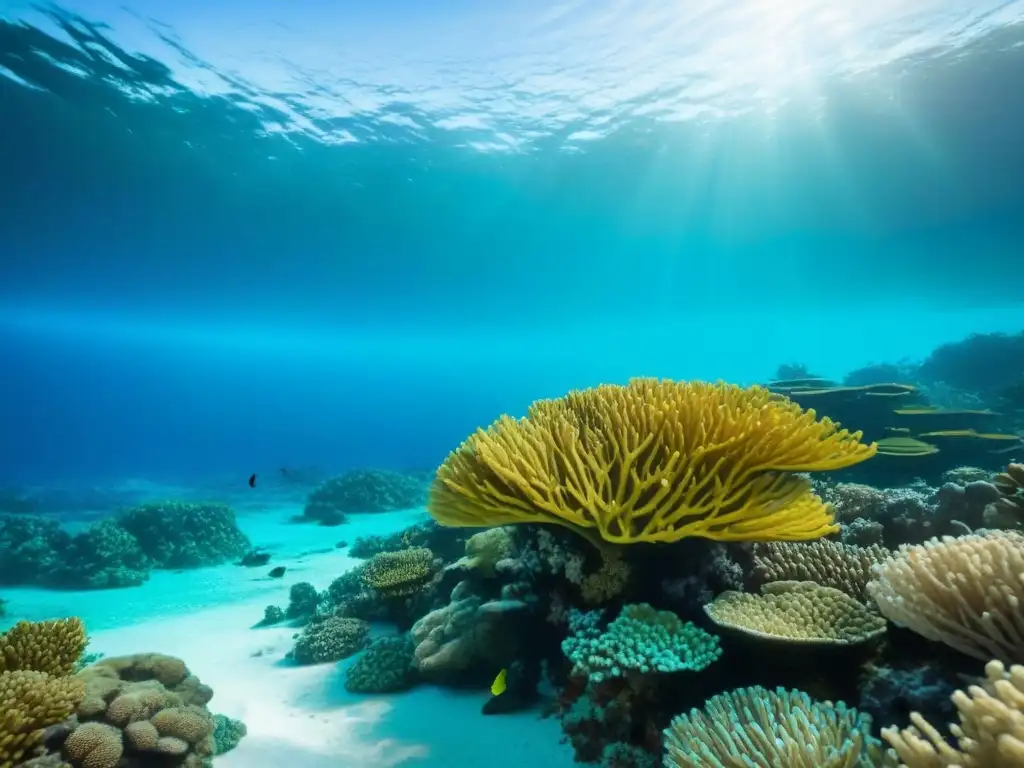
<point x="651" y="461"/>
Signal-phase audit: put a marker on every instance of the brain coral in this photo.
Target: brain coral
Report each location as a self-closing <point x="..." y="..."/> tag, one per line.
<point x="652" y="461"/>
<point x="799" y="612"/>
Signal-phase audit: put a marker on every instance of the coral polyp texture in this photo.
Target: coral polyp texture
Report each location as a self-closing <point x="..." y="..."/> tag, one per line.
<point x="797" y="612"/>
<point x="651" y="461"/>
<point x="963" y="591"/>
<point x="759" y="728"/>
<point x="830" y="563"/>
<point x="641" y="640"/>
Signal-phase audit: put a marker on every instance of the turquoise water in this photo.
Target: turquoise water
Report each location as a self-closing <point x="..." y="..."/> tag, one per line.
<point x="248" y="250"/>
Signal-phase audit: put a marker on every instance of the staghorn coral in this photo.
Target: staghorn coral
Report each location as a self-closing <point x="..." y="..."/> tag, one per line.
<point x="402" y="573"/>
<point x="798" y="612"/>
<point x="148" y="705"/>
<point x="965" y="592"/>
<point x="830" y="563"/>
<point x="771" y="729"/>
<point x="330" y="638"/>
<point x="640" y="641"/>
<point x="652" y="461"/>
<point x="52" y="647"/>
<point x="990" y="733"/>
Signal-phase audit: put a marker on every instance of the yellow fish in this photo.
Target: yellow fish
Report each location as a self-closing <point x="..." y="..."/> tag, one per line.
<point x="498" y="686"/>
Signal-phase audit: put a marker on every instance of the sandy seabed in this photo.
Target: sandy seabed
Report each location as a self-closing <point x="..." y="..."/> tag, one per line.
<point x="297" y="717"/>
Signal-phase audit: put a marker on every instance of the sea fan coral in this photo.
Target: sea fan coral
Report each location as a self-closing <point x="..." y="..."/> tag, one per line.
<point x="652" y="461"/>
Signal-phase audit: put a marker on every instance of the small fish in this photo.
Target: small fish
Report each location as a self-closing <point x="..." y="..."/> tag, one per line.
<point x="276" y="573"/>
<point x="498" y="686"/>
<point x="252" y="480"/>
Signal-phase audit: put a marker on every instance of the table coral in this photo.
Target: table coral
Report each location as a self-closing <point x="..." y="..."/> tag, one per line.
<point x="797" y="612"/>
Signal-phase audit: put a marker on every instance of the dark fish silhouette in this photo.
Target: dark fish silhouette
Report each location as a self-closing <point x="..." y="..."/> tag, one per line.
<point x="252" y="480"/>
<point x="276" y="573"/>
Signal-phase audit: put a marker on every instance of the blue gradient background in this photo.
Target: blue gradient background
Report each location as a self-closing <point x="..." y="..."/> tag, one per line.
<point x="260" y="234"/>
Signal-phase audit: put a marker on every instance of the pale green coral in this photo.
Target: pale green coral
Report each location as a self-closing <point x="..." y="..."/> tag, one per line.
<point x="330" y="639"/>
<point x="641" y="640"/>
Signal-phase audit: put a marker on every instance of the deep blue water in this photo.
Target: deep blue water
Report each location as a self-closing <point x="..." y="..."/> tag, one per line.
<point x="245" y="235"/>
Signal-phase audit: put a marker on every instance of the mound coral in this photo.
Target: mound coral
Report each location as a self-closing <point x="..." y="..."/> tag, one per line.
<point x="141" y="710"/>
<point x="385" y="666"/>
<point x="758" y="727"/>
<point x="485" y="549"/>
<point x="640" y="641"/>
<point x="36" y="689"/>
<point x="830" y="563"/>
<point x="652" y="461"/>
<point x="799" y="612"/>
<point x="990" y="733"/>
<point x="397" y="574"/>
<point x="330" y="639"/>
<point x="965" y="592"/>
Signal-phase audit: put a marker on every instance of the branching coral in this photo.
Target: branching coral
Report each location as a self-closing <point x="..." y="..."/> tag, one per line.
<point x="990" y="733"/>
<point x="771" y="729"/>
<point x="1010" y="485"/>
<point x="640" y="641"/>
<point x="604" y="584"/>
<point x="965" y="592"/>
<point x="842" y="566"/>
<point x="653" y="461"/>
<point x="397" y="574"/>
<point x="798" y="612"/>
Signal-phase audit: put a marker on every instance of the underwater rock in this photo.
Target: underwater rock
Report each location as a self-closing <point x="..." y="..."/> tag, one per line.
<point x="254" y="558"/>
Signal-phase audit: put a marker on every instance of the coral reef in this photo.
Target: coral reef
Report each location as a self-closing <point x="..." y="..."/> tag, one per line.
<point x="635" y="468"/>
<point x="184" y="534"/>
<point x="846" y="567"/>
<point x="119" y="551"/>
<point x="362" y="491"/>
<point x="402" y="573"/>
